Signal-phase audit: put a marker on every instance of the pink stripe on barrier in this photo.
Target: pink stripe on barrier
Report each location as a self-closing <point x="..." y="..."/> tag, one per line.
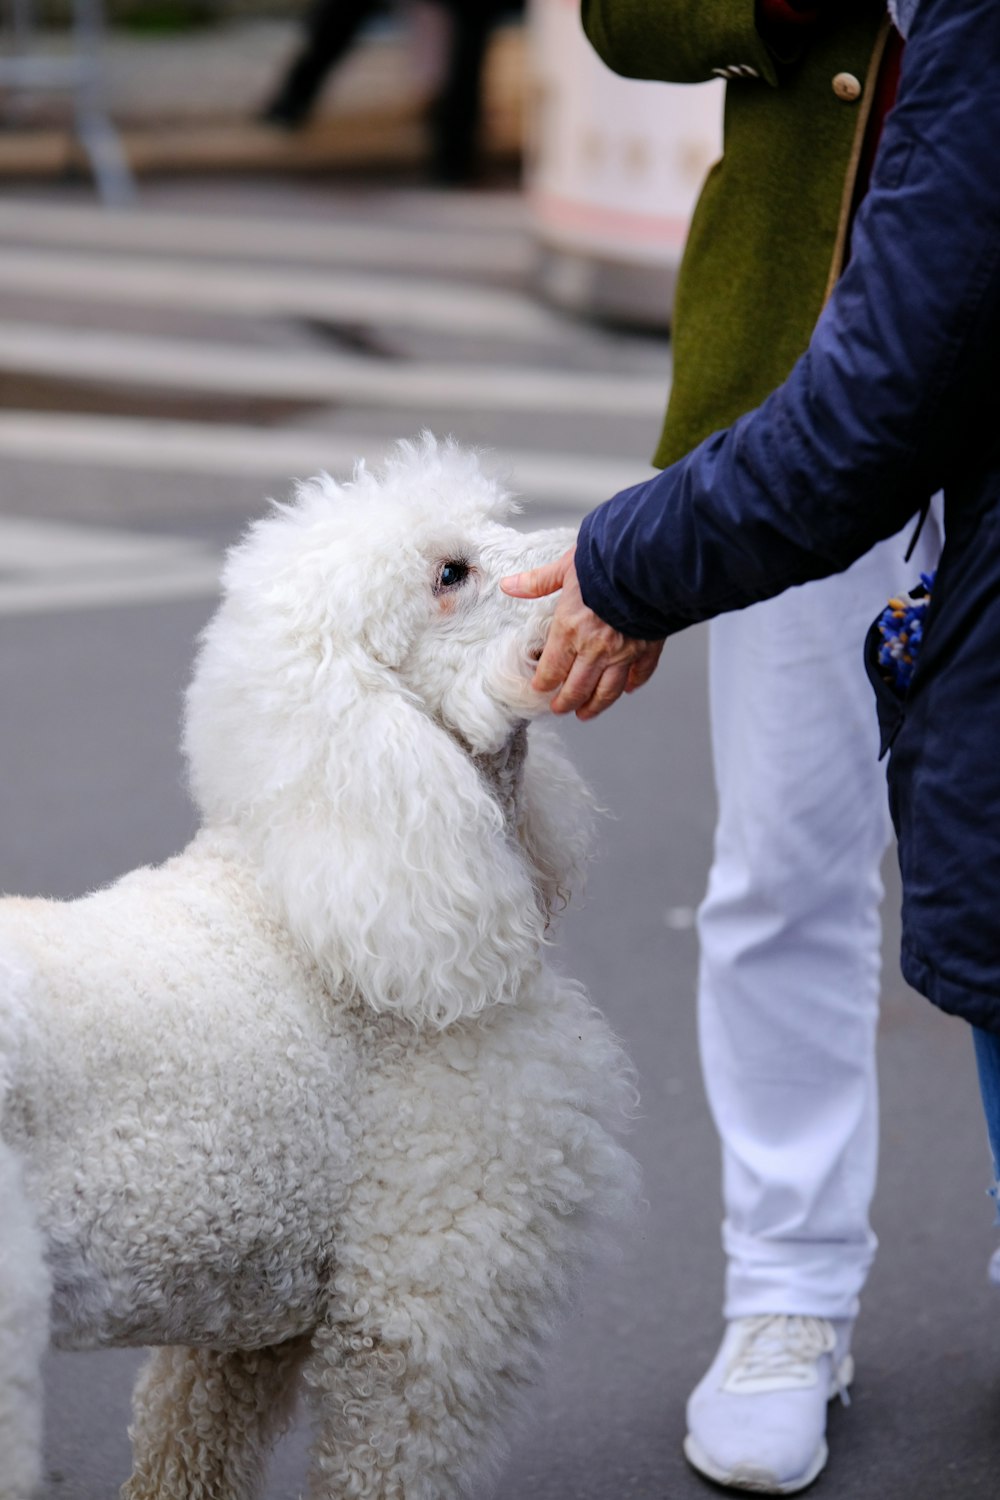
<point x="648" y="228"/>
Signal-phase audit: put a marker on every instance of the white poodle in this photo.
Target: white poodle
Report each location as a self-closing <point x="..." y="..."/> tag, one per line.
<point x="306" y="1105"/>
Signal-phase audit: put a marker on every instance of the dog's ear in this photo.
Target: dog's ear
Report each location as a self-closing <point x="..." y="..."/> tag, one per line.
<point x="401" y="878"/>
<point x="377" y="840"/>
<point x="555" y="825"/>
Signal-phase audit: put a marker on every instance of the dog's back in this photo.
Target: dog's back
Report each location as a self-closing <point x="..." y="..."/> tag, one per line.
<point x="179" y="1073"/>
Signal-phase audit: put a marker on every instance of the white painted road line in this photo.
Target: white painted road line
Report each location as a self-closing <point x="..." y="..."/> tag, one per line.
<point x="32" y="596"/>
<point x="294" y="241"/>
<point x="405" y="301"/>
<point x="55" y="546"/>
<point x="47" y="566"/>
<point x="166" y="364"/>
<point x="570" y="481"/>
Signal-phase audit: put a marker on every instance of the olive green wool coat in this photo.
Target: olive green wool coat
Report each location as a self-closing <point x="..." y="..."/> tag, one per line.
<point x="768" y="236"/>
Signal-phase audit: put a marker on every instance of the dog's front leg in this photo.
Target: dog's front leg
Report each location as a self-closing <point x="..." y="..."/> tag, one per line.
<point x="408" y="1414"/>
<point x="204" y="1422"/>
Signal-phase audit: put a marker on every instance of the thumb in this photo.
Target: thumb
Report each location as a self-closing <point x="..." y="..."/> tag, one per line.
<point x="539" y="581"/>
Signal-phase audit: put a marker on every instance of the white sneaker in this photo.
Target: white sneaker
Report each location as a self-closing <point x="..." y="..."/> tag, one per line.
<point x="757" y="1421"/>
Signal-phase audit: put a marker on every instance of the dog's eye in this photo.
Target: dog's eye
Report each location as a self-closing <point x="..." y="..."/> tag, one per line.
<point x="452" y="573"/>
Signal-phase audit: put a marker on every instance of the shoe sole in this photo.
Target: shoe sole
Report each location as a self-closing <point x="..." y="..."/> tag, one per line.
<point x="756" y="1481"/>
<point x="762" y="1481"/>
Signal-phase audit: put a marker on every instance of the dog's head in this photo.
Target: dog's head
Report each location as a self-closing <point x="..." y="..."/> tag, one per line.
<point x="361" y="677"/>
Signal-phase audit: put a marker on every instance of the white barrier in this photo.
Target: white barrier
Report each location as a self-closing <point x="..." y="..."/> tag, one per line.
<point x="614" y="169"/>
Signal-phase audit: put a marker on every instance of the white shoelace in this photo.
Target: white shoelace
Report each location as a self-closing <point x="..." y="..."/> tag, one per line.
<point x="779" y="1352"/>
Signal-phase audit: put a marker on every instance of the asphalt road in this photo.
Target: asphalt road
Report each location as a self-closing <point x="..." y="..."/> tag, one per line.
<point x="103" y="561"/>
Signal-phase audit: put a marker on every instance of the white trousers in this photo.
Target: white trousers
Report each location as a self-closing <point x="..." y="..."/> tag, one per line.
<point x="791" y="937"/>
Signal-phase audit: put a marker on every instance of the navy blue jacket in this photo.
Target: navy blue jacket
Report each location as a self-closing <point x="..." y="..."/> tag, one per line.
<point x="897" y="396"/>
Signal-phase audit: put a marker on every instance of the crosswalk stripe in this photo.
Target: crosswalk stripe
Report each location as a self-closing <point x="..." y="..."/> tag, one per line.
<point x="294" y="241"/>
<point x="54" y="546"/>
<point x="195" y="579"/>
<point x="163" y="261"/>
<point x="574" y="482"/>
<point x="403" y="301"/>
<point x="115" y="358"/>
<point x="53" y="565"/>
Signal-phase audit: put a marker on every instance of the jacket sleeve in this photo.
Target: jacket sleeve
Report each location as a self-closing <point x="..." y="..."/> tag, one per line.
<point x="678" y="41"/>
<point x="895" y="397"/>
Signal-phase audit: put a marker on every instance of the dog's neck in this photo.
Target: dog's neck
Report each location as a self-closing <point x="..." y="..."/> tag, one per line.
<point x="502" y="771"/>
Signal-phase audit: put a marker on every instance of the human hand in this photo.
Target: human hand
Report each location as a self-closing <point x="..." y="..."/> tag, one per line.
<point x="589" y="662"/>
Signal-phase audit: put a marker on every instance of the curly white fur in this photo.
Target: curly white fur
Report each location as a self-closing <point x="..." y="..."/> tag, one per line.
<point x="306" y="1107"/>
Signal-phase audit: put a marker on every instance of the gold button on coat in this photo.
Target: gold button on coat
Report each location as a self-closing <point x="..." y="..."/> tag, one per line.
<point x="847" y="87"/>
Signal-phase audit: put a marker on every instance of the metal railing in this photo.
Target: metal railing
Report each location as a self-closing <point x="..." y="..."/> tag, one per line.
<point x="25" y="69"/>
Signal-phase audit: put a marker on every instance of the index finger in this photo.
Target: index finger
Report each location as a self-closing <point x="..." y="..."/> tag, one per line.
<point x="535" y="583"/>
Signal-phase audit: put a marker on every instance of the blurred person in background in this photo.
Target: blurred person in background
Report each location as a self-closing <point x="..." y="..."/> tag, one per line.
<point x="789" y="928"/>
<point x="331" y="26"/>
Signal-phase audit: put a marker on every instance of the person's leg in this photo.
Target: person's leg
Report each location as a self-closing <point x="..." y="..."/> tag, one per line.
<point x="330" y="28"/>
<point x="456" y="112"/>
<point x="987" y="1045"/>
<point x="788" y="997"/>
<point x="790" y="950"/>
